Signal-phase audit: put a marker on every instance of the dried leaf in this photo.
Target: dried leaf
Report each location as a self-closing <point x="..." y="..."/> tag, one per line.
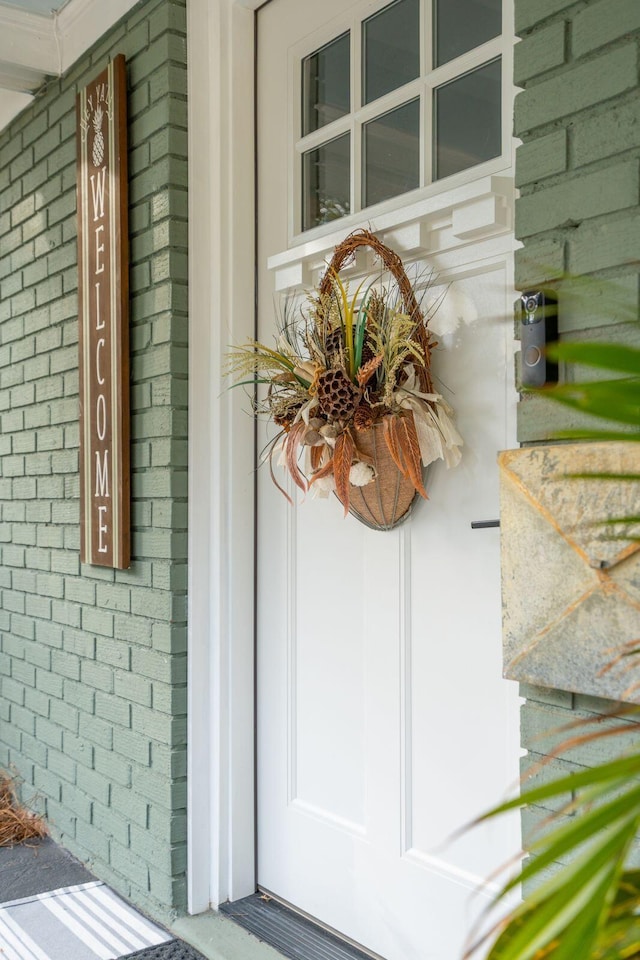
<point x="316" y="457"/>
<point x="403" y="445"/>
<point x="342" y="457"/>
<point x="292" y="444"/>
<point x="368" y="369"/>
<point x="272" y="474"/>
<point x="391" y="437"/>
<point x="410" y="448"/>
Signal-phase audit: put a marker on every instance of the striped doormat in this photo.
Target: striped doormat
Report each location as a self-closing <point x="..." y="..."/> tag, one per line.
<point x="84" y="922"/>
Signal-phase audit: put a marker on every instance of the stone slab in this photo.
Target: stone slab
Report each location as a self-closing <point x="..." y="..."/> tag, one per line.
<point x="570" y="580"/>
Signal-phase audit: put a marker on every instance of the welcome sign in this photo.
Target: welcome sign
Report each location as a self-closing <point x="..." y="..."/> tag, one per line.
<point x="103" y="291"/>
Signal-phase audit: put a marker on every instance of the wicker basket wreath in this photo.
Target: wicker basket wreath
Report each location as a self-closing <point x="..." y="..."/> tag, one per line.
<point x="349" y="384"/>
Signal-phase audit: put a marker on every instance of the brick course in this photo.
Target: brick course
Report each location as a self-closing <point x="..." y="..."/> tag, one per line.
<point x="93" y="661"/>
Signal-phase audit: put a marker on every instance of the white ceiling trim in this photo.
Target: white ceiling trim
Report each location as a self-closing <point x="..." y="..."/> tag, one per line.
<point x="82" y="22"/>
<point x="34" y="47"/>
<point x="19" y="79"/>
<point x="28" y="40"/>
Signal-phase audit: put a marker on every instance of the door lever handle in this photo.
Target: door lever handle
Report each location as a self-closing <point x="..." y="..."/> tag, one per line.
<point x="481" y="524"/>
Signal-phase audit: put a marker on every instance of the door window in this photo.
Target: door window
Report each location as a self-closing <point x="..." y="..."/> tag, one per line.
<point x="402" y="98"/>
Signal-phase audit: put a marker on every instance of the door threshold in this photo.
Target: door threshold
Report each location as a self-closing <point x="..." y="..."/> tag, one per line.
<point x="293" y="935"/>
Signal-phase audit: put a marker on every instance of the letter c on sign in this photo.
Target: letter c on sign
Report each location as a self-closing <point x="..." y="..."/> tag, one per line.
<point x="99" y="347"/>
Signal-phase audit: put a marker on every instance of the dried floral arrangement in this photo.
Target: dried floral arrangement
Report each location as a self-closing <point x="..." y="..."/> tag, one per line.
<point x="17" y="823"/>
<point x="349" y="383"/>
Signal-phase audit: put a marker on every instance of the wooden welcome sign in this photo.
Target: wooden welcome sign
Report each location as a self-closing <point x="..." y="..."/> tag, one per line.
<point x="103" y="294"/>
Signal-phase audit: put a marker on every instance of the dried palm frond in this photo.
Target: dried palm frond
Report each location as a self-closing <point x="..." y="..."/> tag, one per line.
<point x="342" y="459"/>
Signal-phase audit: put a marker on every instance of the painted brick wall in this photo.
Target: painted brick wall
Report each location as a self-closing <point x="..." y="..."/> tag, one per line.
<point x="93" y="661"/>
<point x="578" y="215"/>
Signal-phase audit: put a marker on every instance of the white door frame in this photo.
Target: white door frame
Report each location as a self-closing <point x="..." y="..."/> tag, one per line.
<point x="220" y="803"/>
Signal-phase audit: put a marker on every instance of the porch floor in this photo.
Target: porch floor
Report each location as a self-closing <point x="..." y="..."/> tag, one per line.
<point x="251" y="929"/>
<point x="53" y="908"/>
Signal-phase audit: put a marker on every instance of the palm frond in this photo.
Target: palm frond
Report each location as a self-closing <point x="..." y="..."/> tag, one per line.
<point x="589" y="892"/>
<point x="617" y="400"/>
<point x="604" y="356"/>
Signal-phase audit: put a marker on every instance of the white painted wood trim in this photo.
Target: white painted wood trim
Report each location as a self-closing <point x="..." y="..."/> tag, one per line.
<point x="407" y="226"/>
<point x="28" y="40"/>
<point x="82" y="22"/>
<point x="221" y="833"/>
<point x="51" y="44"/>
<point x="18" y="79"/>
<point x="34" y="46"/>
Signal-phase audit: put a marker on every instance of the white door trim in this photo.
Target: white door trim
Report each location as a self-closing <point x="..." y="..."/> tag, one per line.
<point x="220" y="803"/>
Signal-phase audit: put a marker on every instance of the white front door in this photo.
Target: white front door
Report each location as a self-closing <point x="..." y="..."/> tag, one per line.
<point x="383" y="722"/>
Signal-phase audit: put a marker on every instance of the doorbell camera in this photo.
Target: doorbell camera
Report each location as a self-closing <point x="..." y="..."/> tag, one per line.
<point x="538" y="315"/>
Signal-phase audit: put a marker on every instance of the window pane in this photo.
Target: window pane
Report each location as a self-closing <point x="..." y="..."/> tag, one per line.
<point x="391" y="154"/>
<point x="325" y="85"/>
<point x="325" y="182"/>
<point x="461" y="25"/>
<point x="467" y="120"/>
<point x="391" y="49"/>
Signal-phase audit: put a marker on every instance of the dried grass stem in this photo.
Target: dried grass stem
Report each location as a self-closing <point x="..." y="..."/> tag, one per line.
<point x="17" y="823"/>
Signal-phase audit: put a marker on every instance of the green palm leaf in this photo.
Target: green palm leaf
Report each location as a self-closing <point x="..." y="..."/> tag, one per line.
<point x="620" y="435"/>
<point x="573" y="907"/>
<point x="604" y="356"/>
<point x="617" y="400"/>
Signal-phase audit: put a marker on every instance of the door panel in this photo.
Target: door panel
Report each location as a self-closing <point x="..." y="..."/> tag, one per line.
<point x="383" y="721"/>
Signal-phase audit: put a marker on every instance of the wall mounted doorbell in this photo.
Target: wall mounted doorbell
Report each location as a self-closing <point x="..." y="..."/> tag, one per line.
<point x="538" y="310"/>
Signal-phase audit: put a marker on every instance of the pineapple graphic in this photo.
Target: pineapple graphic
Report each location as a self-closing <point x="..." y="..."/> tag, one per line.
<point x="97" y="152"/>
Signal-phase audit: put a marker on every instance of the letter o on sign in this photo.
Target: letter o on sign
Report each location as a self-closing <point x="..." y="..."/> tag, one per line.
<point x="101" y="416"/>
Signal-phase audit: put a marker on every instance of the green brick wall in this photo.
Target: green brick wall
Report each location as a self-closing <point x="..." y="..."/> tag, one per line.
<point x="93" y="661"/>
<point x="578" y="170"/>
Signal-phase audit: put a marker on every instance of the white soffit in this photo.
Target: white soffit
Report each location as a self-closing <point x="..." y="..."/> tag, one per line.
<point x="82" y="22"/>
<point x="34" y="46"/>
<point x="46" y="7"/>
<point x="27" y="43"/>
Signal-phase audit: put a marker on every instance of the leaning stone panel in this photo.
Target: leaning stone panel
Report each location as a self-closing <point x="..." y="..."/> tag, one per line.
<point x="571" y="567"/>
